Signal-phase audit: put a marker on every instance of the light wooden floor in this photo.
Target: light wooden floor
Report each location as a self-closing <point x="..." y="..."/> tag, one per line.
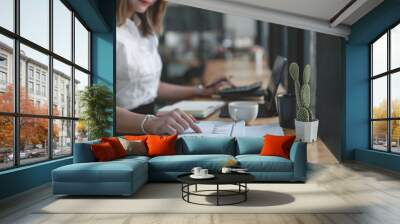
<point x="379" y="189"/>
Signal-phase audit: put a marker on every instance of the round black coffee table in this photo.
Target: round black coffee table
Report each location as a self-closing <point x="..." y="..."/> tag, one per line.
<point x="238" y="179"/>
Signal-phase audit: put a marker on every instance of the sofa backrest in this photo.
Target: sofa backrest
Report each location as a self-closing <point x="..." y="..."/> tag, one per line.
<point x="83" y="152"/>
<point x="249" y="145"/>
<point x="195" y="145"/>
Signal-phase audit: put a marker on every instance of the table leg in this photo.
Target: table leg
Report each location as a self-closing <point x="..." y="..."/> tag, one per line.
<point x="217" y="194"/>
<point x="245" y="193"/>
<point x="196" y="187"/>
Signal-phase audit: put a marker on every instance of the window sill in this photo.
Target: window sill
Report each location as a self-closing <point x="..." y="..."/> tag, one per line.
<point x="26" y="167"/>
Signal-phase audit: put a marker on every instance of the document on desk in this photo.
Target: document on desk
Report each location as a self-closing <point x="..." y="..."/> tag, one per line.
<point x="218" y="128"/>
<point x="197" y="108"/>
<point x="237" y="129"/>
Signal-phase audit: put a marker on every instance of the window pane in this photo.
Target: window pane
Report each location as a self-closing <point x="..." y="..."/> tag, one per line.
<point x="81" y="81"/>
<point x="379" y="97"/>
<point x="395" y="136"/>
<point x="379" y="135"/>
<point x="35" y="21"/>
<point x="81" y="45"/>
<point x="6" y="142"/>
<point x="34" y="97"/>
<point x="33" y="140"/>
<point x="395" y="47"/>
<point x="379" y="55"/>
<point x="6" y="74"/>
<point x="395" y="94"/>
<point x="7" y="14"/>
<point x="62" y="89"/>
<point x="81" y="131"/>
<point x="62" y="29"/>
<point x="62" y="138"/>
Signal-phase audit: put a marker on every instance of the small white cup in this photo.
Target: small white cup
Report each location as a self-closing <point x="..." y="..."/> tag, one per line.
<point x="203" y="172"/>
<point x="243" y="110"/>
<point x="226" y="170"/>
<point x="196" y="171"/>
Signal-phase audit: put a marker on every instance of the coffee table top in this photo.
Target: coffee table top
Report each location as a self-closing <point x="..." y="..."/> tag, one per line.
<point x="220" y="178"/>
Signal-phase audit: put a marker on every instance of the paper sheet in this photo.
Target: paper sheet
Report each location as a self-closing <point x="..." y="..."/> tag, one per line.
<point x="237" y="129"/>
<point x="218" y="128"/>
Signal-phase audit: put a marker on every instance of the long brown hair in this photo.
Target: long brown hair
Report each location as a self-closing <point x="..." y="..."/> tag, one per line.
<point x="151" y="21"/>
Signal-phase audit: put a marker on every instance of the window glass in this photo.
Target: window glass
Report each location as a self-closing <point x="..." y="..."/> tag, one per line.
<point x="6" y="74"/>
<point x="33" y="140"/>
<point x="395" y="95"/>
<point x="81" y="82"/>
<point x="379" y="56"/>
<point x="39" y="61"/>
<point x="6" y="142"/>
<point x="81" y="45"/>
<point x="62" y="91"/>
<point x="395" y="136"/>
<point x="395" y="47"/>
<point x="62" y="29"/>
<point x="62" y="138"/>
<point x="379" y="98"/>
<point x="7" y="14"/>
<point x="34" y="21"/>
<point x="379" y="135"/>
<point x="81" y="131"/>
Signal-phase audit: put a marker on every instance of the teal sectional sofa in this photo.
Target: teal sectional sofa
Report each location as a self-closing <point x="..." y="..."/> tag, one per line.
<point x="125" y="176"/>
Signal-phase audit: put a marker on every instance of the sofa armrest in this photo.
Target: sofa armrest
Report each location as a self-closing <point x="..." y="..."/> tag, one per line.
<point x="83" y="152"/>
<point x="298" y="155"/>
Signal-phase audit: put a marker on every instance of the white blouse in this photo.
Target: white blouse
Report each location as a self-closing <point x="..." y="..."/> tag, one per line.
<point x="138" y="66"/>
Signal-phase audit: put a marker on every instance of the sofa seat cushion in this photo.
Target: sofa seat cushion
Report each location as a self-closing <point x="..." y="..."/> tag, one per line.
<point x="121" y="170"/>
<point x="257" y="163"/>
<point x="185" y="163"/>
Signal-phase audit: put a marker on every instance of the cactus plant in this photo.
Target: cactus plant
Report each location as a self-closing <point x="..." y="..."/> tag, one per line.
<point x="303" y="96"/>
<point x="294" y="73"/>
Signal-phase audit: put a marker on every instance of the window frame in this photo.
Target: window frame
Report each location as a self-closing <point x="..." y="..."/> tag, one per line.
<point x="388" y="74"/>
<point x="16" y="115"/>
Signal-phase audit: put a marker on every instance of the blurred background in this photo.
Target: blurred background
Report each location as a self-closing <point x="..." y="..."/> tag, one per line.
<point x="199" y="46"/>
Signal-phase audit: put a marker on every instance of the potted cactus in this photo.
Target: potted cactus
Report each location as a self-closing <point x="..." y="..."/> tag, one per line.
<point x="306" y="125"/>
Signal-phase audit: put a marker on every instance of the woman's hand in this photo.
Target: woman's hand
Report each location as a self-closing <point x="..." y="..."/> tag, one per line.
<point x="171" y="123"/>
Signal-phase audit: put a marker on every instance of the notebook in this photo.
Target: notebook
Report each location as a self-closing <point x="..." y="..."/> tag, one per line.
<point x="197" y="108"/>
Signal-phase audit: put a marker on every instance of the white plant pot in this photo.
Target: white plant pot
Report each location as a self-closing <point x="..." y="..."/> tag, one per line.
<point x="307" y="131"/>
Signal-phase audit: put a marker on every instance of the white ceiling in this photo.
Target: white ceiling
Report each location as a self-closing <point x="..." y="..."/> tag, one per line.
<point x="315" y="15"/>
<point x="320" y="9"/>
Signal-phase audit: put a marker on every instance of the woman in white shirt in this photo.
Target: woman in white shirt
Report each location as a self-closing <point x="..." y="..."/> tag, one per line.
<point x="139" y="69"/>
<point x="138" y="60"/>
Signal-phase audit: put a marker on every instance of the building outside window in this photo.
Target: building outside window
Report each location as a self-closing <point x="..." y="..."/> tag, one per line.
<point x="56" y="129"/>
<point x="3" y="72"/>
<point x="30" y="72"/>
<point x="3" y="78"/>
<point x="38" y="89"/>
<point x="30" y="87"/>
<point x="385" y="91"/>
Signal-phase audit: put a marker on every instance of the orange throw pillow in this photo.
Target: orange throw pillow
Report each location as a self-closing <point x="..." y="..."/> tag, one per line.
<point x="116" y="145"/>
<point x="103" y="152"/>
<point x="161" y="145"/>
<point x="277" y="145"/>
<point x="135" y="137"/>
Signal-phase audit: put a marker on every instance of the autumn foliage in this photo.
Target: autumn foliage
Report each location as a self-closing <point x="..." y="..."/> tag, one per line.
<point x="33" y="131"/>
<point x="380" y="127"/>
